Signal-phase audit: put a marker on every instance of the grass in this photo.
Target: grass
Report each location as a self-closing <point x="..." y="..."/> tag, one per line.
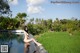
<point x="60" y="42"/>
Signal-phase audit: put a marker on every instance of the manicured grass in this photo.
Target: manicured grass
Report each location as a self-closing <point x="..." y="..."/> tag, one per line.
<point x="60" y="42"/>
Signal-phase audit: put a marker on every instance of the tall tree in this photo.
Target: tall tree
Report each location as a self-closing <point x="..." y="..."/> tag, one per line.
<point x="4" y="7"/>
<point x="21" y="18"/>
<point x="32" y="20"/>
<point x="49" y="23"/>
<point x="8" y="23"/>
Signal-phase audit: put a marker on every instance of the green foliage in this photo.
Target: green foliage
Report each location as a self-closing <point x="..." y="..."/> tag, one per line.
<point x="40" y="25"/>
<point x="13" y="23"/>
<point x="7" y="36"/>
<point x="4" y="7"/>
<point x="21" y="18"/>
<point x="60" y="42"/>
<point x="37" y="26"/>
<point x="8" y="23"/>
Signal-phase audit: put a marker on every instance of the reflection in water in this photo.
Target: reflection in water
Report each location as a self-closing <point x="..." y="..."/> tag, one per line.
<point x="26" y="48"/>
<point x="17" y="47"/>
<point x="16" y="44"/>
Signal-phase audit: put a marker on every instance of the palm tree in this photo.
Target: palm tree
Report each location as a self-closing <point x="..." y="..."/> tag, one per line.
<point x="21" y="18"/>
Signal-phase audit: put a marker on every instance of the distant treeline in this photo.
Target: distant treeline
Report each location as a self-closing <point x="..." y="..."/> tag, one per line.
<point x="37" y="26"/>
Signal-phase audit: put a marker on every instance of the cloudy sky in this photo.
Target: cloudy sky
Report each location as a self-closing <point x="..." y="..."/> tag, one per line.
<point x="45" y="9"/>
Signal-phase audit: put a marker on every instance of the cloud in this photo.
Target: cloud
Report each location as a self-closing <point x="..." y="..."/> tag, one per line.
<point x="14" y="2"/>
<point x="58" y="4"/>
<point x="34" y="2"/>
<point x="34" y="6"/>
<point x="34" y="9"/>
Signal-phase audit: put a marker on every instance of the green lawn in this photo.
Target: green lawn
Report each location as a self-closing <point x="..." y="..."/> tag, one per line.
<point x="60" y="42"/>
